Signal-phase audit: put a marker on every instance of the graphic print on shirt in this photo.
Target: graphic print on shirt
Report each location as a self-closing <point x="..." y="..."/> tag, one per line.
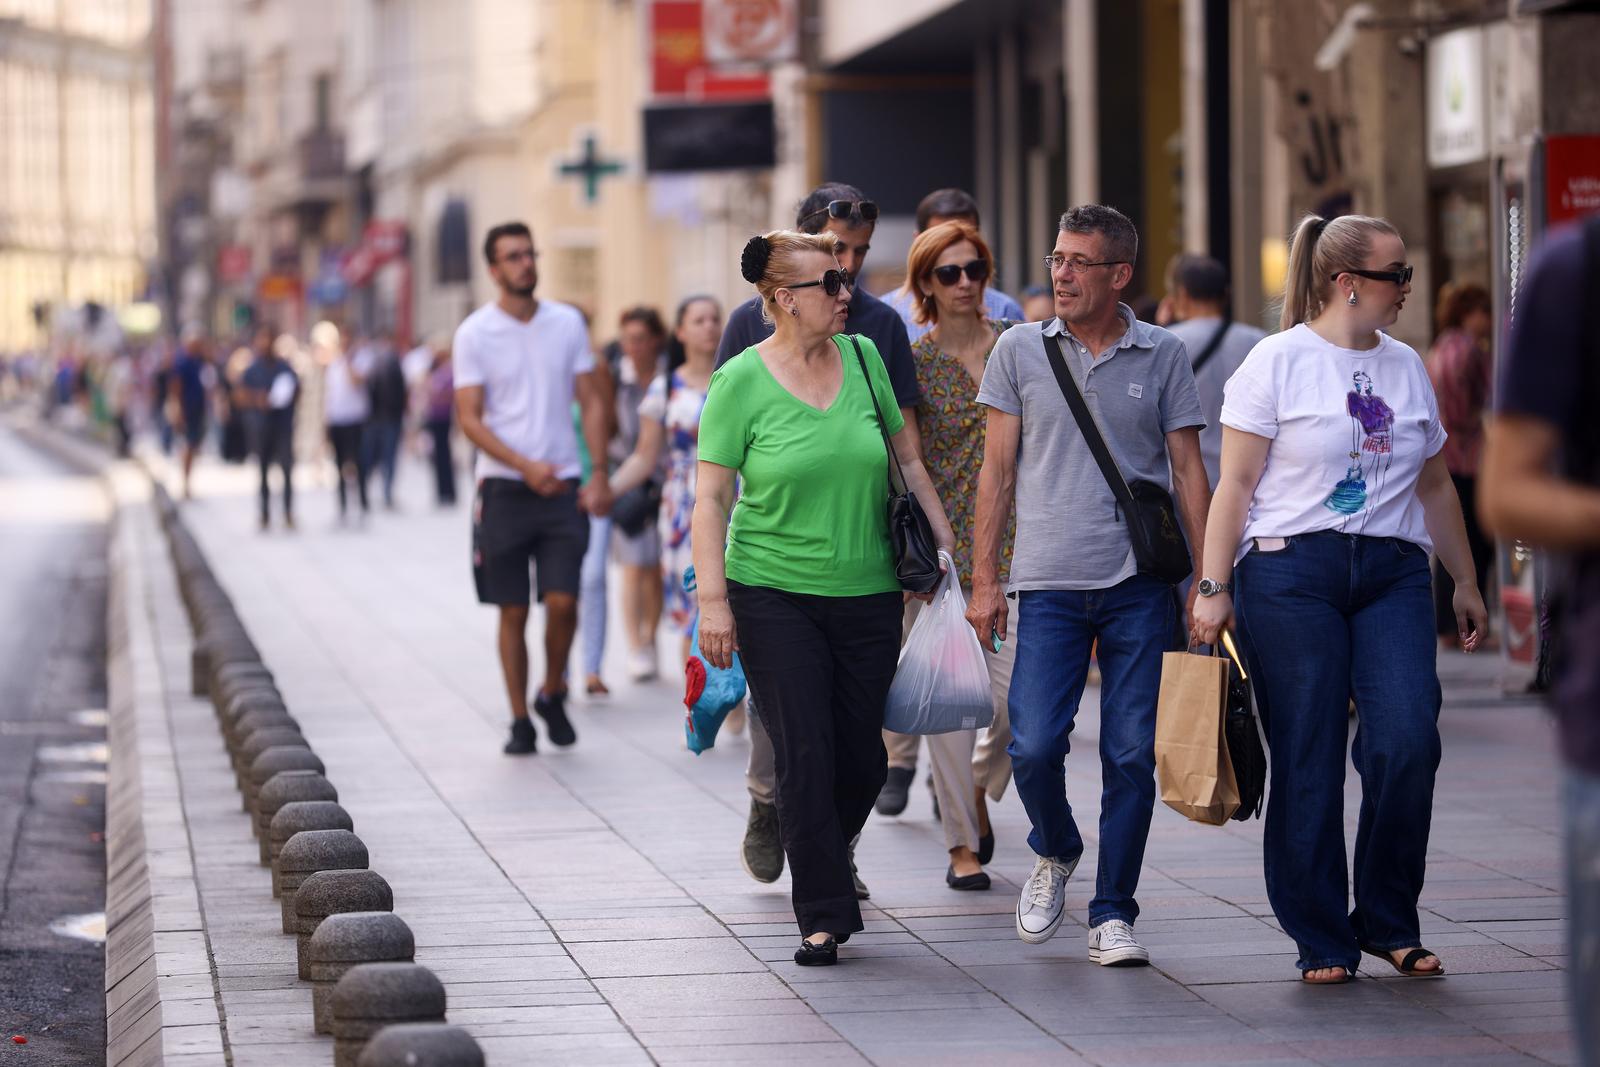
<point x="1372" y="433"/>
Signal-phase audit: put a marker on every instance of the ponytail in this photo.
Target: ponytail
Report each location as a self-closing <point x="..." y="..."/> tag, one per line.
<point x="1302" y="290"/>
<point x="1320" y="249"/>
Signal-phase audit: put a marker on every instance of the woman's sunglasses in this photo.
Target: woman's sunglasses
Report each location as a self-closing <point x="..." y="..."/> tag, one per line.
<point x="1398" y="277"/>
<point x="862" y="210"/>
<point x="831" y="282"/>
<point x="950" y="273"/>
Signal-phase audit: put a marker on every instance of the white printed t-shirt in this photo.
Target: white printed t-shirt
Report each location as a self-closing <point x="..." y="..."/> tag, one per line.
<point x="1350" y="431"/>
<point x="527" y="371"/>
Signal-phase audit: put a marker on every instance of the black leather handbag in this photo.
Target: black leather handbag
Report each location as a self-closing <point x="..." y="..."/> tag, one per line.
<point x="916" y="555"/>
<point x="1159" y="549"/>
<point x="635" y="511"/>
<point x="1243" y="738"/>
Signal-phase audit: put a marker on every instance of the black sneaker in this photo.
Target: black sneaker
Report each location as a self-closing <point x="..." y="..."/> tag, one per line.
<point x="523" y="742"/>
<point x="552" y="709"/>
<point x="761" y="855"/>
<point x="896" y="790"/>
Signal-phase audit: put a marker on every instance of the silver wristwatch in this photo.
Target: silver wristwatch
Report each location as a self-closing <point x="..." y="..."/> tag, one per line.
<point x="1206" y="587"/>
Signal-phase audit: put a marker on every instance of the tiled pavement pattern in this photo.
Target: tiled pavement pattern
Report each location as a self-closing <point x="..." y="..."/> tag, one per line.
<point x="587" y="906"/>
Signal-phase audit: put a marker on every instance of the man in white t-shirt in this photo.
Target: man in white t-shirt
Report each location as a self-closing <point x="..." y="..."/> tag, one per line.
<point x="520" y="363"/>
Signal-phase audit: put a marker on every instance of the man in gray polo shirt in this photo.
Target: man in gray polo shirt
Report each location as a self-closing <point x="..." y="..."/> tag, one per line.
<point x="1072" y="567"/>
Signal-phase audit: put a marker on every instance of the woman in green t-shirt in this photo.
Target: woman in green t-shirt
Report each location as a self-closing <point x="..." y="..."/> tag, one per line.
<point x="806" y="589"/>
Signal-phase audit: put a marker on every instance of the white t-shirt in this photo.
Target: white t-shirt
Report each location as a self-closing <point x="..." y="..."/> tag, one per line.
<point x="344" y="400"/>
<point x="1350" y="432"/>
<point x="527" y="370"/>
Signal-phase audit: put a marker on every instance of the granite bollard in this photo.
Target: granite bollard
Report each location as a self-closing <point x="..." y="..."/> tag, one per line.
<point x="286" y="787"/>
<point x="277" y="758"/>
<point x="421" y="1045"/>
<point x="301" y="815"/>
<point x="372" y="996"/>
<point x="349" y="939"/>
<point x="326" y="893"/>
<point x="308" y="852"/>
<point x="269" y="735"/>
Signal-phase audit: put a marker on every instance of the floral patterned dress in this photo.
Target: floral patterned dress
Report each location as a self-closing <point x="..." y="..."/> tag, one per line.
<point x="679" y="414"/>
<point x="951" y="423"/>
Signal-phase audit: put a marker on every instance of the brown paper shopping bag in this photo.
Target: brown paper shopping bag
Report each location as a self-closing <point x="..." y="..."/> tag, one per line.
<point x="1192" y="765"/>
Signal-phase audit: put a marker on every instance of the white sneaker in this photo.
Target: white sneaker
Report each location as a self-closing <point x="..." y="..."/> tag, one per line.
<point x="1112" y="944"/>
<point x="1042" y="903"/>
<point x="642" y="664"/>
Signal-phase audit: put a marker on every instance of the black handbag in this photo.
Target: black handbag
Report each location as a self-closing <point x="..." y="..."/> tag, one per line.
<point x="635" y="511"/>
<point x="916" y="554"/>
<point x="1240" y="731"/>
<point x="1159" y="549"/>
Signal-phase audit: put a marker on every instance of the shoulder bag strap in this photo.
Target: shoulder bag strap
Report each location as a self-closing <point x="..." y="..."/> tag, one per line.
<point x="883" y="427"/>
<point x="1211" y="346"/>
<point x="1087" y="426"/>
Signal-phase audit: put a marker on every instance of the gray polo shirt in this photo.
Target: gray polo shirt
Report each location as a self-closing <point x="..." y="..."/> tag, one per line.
<point x="1070" y="530"/>
<point x="1235" y="345"/>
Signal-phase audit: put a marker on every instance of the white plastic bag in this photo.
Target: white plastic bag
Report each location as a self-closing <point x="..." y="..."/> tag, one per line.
<point x="942" y="683"/>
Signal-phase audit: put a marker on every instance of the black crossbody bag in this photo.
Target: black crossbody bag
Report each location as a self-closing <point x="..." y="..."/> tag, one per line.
<point x="1159" y="549"/>
<point x="916" y="555"/>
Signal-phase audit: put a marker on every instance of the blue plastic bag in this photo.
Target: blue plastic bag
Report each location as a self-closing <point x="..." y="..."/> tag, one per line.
<point x="710" y="693"/>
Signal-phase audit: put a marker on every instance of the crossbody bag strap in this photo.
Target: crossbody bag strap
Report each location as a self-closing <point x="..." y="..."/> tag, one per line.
<point x="1211" y="346"/>
<point x="883" y="427"/>
<point x="1088" y="427"/>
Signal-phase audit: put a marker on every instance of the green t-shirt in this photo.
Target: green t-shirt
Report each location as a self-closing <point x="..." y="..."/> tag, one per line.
<point x="812" y="516"/>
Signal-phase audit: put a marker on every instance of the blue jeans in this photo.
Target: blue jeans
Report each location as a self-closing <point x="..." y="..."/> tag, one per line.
<point x="1328" y="618"/>
<point x="381" y="448"/>
<point x="592" y="595"/>
<point x="1583" y="903"/>
<point x="1134" y="622"/>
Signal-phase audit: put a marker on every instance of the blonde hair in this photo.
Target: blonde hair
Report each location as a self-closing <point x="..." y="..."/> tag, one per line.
<point x="925" y="252"/>
<point x="778" y="262"/>
<point x="1319" y="249"/>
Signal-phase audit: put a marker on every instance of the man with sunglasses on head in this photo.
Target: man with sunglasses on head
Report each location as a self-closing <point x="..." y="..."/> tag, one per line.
<point x="944" y="205"/>
<point x="1073" y="569"/>
<point x="844" y="211"/>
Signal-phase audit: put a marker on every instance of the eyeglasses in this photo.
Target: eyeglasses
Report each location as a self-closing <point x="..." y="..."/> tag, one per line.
<point x="1398" y="277"/>
<point x="831" y="282"/>
<point x="950" y="273"/>
<point x="865" y="210"/>
<point x="519" y="255"/>
<point x="1077" y="265"/>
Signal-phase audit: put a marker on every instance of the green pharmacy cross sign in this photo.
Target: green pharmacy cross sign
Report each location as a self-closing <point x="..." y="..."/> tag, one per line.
<point x="589" y="168"/>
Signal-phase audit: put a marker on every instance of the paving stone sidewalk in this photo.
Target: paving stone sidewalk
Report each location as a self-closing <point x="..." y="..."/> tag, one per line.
<point x="587" y="906"/>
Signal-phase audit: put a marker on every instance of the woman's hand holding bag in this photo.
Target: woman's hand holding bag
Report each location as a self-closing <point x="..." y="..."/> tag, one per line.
<point x="942" y="684"/>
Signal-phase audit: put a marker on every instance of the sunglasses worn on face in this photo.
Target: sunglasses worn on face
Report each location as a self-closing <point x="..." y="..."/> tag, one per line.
<point x="831" y="282"/>
<point x="1398" y="277"/>
<point x="950" y="273"/>
<point x="862" y="210"/>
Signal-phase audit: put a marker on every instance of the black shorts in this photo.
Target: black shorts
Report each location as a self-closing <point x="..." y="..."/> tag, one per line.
<point x="511" y="526"/>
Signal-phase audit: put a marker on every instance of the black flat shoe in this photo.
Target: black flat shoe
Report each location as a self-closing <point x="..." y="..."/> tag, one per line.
<point x="814" y="955"/>
<point x="966" y="882"/>
<point x="986" y="848"/>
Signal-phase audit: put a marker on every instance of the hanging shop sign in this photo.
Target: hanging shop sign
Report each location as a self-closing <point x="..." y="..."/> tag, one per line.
<point x="1458" y="116"/>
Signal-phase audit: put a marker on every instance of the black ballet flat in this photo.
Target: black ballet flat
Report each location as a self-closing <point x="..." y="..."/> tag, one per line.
<point x="966" y="882"/>
<point x="814" y="955"/>
<point x="986" y="848"/>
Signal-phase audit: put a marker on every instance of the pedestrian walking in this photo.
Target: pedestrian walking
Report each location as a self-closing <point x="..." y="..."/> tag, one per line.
<point x="520" y="363"/>
<point x="844" y="211"/>
<point x="1459" y="368"/>
<point x="388" y="398"/>
<point x="669" y="433"/>
<point x="438" y="416"/>
<point x="642" y="339"/>
<point x="806" y="590"/>
<point x="1541" y="483"/>
<point x="949" y="266"/>
<point x="345" y="408"/>
<point x="1333" y="491"/>
<point x="1074" y="570"/>
<point x="189" y="389"/>
<point x="1199" y="299"/>
<point x="937" y="208"/>
<point x="271" y="390"/>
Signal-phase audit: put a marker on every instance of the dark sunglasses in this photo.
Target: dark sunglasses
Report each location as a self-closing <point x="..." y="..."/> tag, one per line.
<point x="831" y="282"/>
<point x="950" y="273"/>
<point x="1398" y="277"/>
<point x="865" y="210"/>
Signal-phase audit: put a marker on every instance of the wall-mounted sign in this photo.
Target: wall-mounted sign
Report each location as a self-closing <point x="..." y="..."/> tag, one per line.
<point x="1458" y="117"/>
<point x="679" y="63"/>
<point x="1572" y="178"/>
<point x="686" y="137"/>
<point x="233" y="263"/>
<point x="751" y="31"/>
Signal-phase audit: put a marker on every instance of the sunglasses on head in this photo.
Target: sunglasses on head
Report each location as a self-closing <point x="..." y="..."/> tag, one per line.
<point x="831" y="282"/>
<point x="1398" y="277"/>
<point x="864" y="210"/>
<point x="950" y="273"/>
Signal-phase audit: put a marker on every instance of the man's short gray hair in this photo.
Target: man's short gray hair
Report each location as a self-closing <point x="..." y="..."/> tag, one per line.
<point x="1122" y="238"/>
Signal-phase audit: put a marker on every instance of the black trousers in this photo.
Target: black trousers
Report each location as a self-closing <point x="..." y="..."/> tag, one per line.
<point x="349" y="459"/>
<point x="276" y="448"/>
<point x="819" y="668"/>
<point x="1444" y="587"/>
<point x="444" y="468"/>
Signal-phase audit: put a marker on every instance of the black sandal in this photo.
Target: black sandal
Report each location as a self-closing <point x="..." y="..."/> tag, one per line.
<point x="811" y="954"/>
<point x="1408" y="965"/>
<point x="1349" y="973"/>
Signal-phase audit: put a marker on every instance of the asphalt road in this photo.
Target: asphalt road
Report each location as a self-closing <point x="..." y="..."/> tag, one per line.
<point x="52" y="756"/>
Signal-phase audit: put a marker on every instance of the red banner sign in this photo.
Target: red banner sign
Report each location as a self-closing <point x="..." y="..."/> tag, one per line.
<point x="1572" y="178"/>
<point x="678" y="63"/>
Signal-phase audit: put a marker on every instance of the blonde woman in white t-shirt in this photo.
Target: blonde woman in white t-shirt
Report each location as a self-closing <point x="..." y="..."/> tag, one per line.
<point x="1333" y="492"/>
